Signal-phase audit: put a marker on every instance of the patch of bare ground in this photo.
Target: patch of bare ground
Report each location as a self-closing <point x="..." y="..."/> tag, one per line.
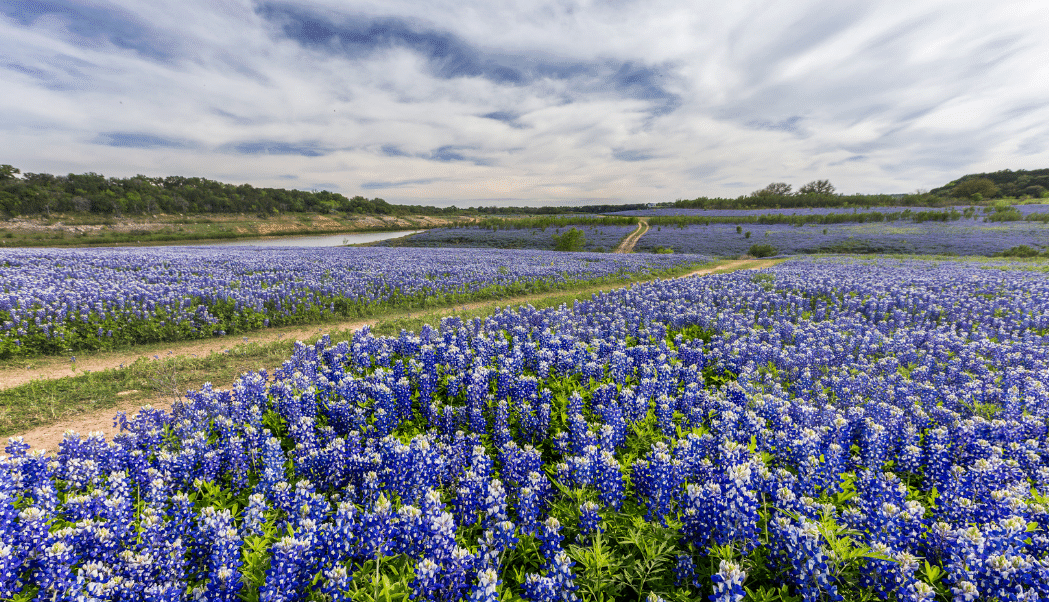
<point x="736" y="264"/>
<point x="628" y="243"/>
<point x="48" y="437"/>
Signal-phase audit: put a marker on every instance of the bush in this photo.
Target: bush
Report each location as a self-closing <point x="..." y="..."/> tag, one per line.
<point x="572" y="240"/>
<point x="762" y="250"/>
<point x="1019" y="251"/>
<point x="983" y="187"/>
<point x="1035" y="191"/>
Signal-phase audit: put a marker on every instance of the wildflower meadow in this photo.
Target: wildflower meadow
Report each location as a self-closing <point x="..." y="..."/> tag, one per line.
<point x="827" y="429"/>
<point x="54" y="301"/>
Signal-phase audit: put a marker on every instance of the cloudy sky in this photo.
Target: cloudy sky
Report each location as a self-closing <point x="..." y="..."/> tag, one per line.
<point x="472" y="102"/>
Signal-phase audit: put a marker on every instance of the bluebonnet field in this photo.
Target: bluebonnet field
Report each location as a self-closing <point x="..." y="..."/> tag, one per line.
<point x="598" y="238"/>
<point x="55" y="300"/>
<point x="823" y="429"/>
<point x="963" y="237"/>
<point x="981" y="212"/>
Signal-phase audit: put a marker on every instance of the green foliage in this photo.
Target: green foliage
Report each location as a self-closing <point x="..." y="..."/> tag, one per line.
<point x="762" y="250"/>
<point x="1008" y="183"/>
<point x="1022" y="251"/>
<point x="572" y="240"/>
<point x="42" y="193"/>
<point x="766" y="280"/>
<point x="94" y="193"/>
<point x="1004" y="212"/>
<point x="972" y="187"/>
<point x="817" y="187"/>
<point x="773" y="189"/>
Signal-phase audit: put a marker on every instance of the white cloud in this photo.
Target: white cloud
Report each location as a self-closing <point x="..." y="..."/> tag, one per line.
<point x="609" y="101"/>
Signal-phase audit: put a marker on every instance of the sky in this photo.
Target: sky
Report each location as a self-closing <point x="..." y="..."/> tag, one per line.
<point x="486" y="102"/>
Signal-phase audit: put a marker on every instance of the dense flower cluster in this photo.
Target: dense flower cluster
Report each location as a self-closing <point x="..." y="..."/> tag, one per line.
<point x="52" y="300"/>
<point x="822" y="426"/>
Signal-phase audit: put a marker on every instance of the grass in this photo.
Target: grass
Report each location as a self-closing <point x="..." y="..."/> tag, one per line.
<point x="46" y="401"/>
<point x="191" y="229"/>
<point x="42" y="402"/>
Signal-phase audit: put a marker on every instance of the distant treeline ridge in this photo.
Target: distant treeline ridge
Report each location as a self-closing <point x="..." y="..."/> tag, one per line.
<point x="44" y="194"/>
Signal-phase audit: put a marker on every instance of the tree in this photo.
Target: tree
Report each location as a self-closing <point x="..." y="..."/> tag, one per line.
<point x="7" y="172"/>
<point x="572" y="240"/>
<point x="774" y="189"/>
<point x="1035" y="191"/>
<point x="981" y="186"/>
<point x="817" y="187"/>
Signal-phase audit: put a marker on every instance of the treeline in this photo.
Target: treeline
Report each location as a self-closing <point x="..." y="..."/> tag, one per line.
<point x="43" y="194"/>
<point x="1021" y="183"/>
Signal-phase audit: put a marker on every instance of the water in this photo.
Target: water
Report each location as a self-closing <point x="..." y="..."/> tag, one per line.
<point x="327" y="240"/>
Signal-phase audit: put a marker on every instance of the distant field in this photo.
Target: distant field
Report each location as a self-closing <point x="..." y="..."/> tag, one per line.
<point x="964" y="237"/>
<point x="58" y="301"/>
<point x="598" y="238"/>
<point x="1024" y="209"/>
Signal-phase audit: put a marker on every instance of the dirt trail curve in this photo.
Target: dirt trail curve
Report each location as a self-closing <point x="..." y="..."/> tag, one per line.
<point x="628" y="243"/>
<point x="47" y="437"/>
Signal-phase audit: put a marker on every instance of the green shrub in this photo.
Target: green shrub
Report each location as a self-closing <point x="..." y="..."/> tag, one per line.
<point x="572" y="240"/>
<point x="762" y="250"/>
<point x="1020" y="251"/>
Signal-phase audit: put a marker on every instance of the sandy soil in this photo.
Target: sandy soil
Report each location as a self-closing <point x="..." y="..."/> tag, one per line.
<point x="628" y="243"/>
<point x="47" y="437"/>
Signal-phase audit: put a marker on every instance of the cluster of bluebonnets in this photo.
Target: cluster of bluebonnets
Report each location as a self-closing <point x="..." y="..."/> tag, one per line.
<point x="598" y="238"/>
<point x="820" y="430"/>
<point x="963" y="237"/>
<point x="57" y="300"/>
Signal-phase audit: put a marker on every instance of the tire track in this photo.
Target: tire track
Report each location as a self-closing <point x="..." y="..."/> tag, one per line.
<point x="627" y="246"/>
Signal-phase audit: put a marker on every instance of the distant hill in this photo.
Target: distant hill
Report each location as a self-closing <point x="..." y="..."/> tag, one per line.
<point x="1022" y="182"/>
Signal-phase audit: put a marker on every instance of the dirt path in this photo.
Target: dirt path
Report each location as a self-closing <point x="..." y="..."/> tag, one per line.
<point x="628" y="243"/>
<point x="47" y="437"/>
<point x="736" y="264"/>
